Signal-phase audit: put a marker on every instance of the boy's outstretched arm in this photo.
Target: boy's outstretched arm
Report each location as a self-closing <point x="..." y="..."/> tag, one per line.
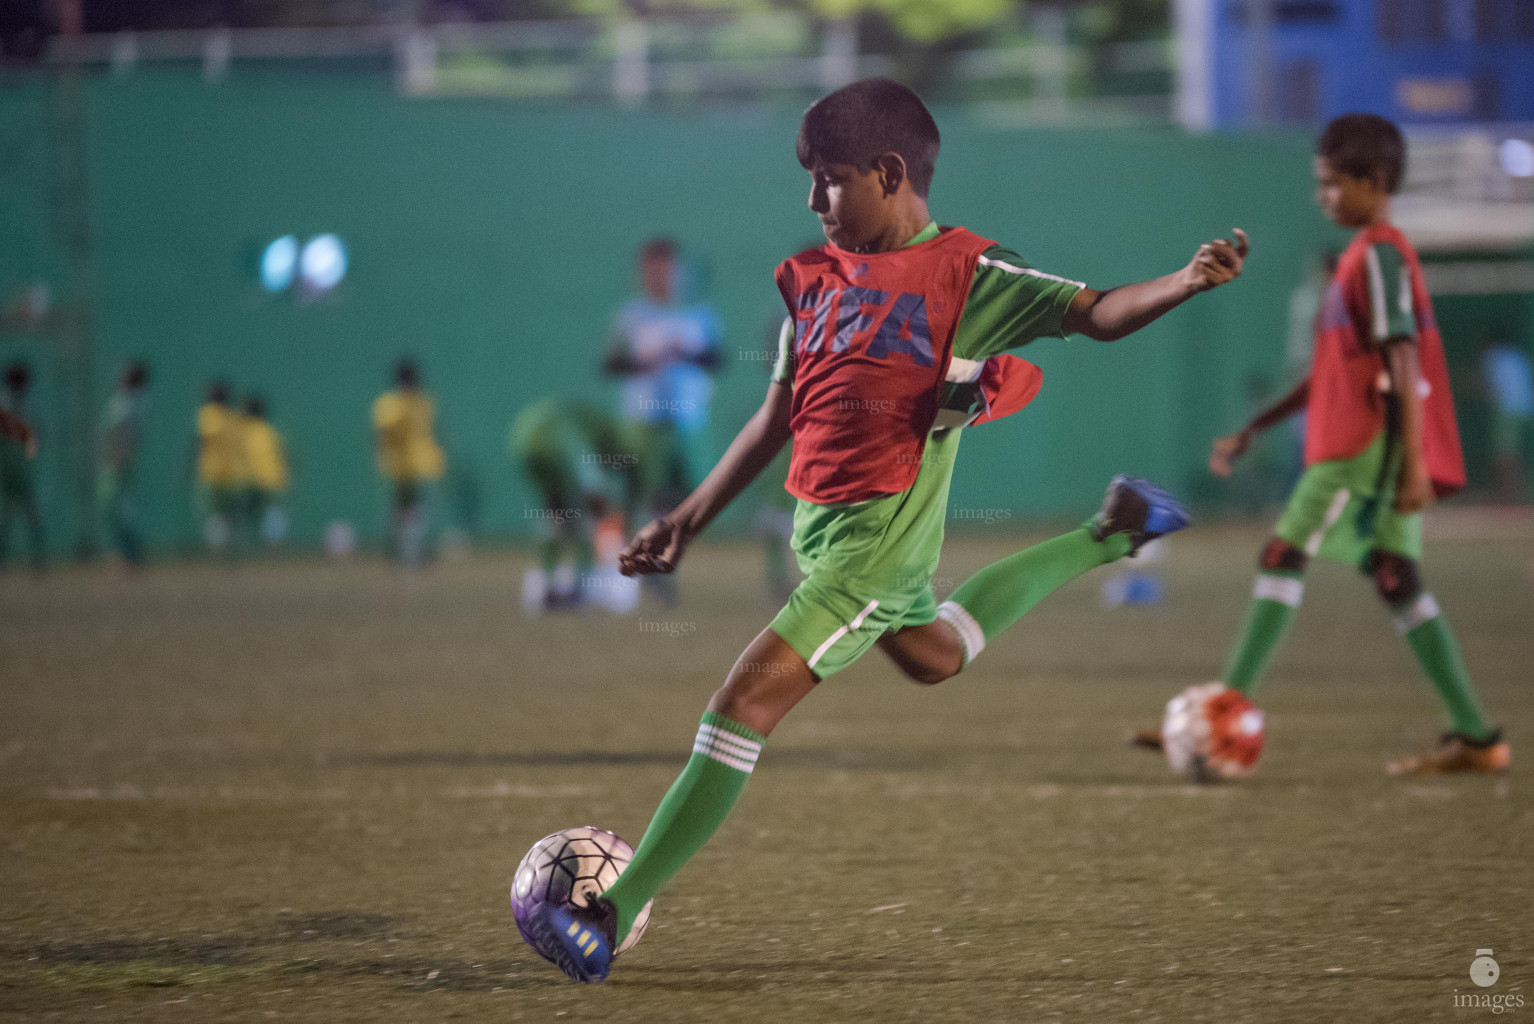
<point x="1228" y="449"/>
<point x="1112" y="314"/>
<point x="658" y="547"/>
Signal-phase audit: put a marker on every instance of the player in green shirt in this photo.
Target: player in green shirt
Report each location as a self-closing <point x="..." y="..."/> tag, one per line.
<point x="585" y="466"/>
<point x="870" y="149"/>
<point x="122" y="435"/>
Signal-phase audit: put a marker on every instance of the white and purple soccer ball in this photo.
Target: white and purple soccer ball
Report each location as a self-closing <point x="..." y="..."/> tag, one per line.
<point x="564" y="868"/>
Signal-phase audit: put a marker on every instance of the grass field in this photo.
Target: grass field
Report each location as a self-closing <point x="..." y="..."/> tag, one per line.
<point x="298" y="792"/>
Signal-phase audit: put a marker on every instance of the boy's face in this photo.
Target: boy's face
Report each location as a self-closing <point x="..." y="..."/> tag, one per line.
<point x="1346" y="200"/>
<point x="657" y="275"/>
<point x="852" y="204"/>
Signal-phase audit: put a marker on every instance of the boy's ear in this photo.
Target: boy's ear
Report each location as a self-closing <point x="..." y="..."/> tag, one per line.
<point x="891" y="170"/>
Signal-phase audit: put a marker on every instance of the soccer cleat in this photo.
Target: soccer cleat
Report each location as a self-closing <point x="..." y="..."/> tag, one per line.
<point x="1140" y="509"/>
<point x="1147" y="739"/>
<point x="1457" y="753"/>
<point x="580" y="940"/>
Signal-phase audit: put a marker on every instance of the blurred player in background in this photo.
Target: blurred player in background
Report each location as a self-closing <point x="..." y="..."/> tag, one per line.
<point x="222" y="470"/>
<point x="666" y="352"/>
<point x="1381" y="443"/>
<point x="266" y="462"/>
<point x="408" y="457"/>
<point x="1509" y="385"/>
<point x="587" y="474"/>
<point x="122" y="435"/>
<point x="900" y="332"/>
<point x="18" y="466"/>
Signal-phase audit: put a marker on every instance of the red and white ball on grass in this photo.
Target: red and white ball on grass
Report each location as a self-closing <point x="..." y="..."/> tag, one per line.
<point x="1211" y="732"/>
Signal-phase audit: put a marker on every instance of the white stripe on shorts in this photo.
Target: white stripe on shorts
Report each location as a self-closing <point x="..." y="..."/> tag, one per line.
<point x="843" y="631"/>
<point x="1333" y="513"/>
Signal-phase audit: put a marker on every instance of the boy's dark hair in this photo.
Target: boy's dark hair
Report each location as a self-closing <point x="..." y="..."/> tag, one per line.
<point x="1365" y="146"/>
<point x="255" y="406"/>
<point x="658" y="249"/>
<point x="218" y="392"/>
<point x="861" y="122"/>
<point x="18" y="377"/>
<point x="407" y="373"/>
<point x="136" y="374"/>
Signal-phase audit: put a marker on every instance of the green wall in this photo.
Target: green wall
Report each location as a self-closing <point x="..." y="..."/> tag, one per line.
<point x="495" y="240"/>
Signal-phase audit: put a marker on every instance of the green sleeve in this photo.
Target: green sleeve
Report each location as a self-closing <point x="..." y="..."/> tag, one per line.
<point x="1390" y="299"/>
<point x="783" y="366"/>
<point x="1011" y="304"/>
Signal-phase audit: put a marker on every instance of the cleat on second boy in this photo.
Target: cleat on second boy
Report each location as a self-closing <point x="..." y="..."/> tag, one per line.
<point x="1139" y="508"/>
<point x="1457" y="754"/>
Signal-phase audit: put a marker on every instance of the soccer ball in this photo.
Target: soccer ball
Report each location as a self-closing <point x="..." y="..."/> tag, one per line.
<point x="564" y="868"/>
<point x="1211" y="732"/>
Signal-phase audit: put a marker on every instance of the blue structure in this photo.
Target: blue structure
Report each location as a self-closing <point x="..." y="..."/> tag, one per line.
<point x="1418" y="62"/>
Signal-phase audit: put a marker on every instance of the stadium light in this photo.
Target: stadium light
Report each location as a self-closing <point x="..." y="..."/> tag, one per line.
<point x="1517" y="158"/>
<point x="322" y="264"/>
<point x="278" y="262"/>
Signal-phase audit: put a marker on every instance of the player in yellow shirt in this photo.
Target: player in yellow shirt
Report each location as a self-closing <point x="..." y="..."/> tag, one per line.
<point x="267" y="464"/>
<point x="221" y="465"/>
<point x="408" y="457"/>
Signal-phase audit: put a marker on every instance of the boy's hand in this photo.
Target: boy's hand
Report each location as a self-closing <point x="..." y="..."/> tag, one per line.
<point x="1414" y="490"/>
<point x="655" y="549"/>
<point x="1216" y="263"/>
<point x="1227" y="450"/>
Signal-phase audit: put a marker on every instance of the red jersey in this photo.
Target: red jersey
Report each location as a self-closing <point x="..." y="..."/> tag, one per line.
<point x="872" y="346"/>
<point x="1378" y="293"/>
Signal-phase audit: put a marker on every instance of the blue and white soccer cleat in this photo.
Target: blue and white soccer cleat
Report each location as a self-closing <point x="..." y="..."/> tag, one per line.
<point x="1140" y="509"/>
<point x="579" y="940"/>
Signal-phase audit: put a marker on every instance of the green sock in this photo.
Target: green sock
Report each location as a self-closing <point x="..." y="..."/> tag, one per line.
<point x="1003" y="592"/>
<point x="693" y="809"/>
<point x="1433" y="642"/>
<point x="1275" y="596"/>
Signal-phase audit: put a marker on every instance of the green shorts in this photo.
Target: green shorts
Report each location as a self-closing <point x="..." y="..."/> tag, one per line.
<point x="832" y="623"/>
<point x="1339" y="510"/>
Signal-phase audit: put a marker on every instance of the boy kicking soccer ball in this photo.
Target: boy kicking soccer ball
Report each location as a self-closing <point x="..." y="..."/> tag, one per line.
<point x="1380" y="444"/>
<point x="899" y="326"/>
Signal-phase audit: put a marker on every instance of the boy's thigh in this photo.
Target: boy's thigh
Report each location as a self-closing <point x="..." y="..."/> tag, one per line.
<point x="1329" y="515"/>
<point x="833" y="623"/>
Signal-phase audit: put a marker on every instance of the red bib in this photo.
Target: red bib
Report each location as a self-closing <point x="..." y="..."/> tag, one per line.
<point x="873" y="335"/>
<point x="1346" y="410"/>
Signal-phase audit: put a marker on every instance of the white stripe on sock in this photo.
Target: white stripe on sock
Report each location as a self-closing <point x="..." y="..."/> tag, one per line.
<point x="1283" y="589"/>
<point x="971" y="636"/>
<point x="1333" y="513"/>
<point x="843" y="631"/>
<point x="1423" y="609"/>
<point x="723" y="757"/>
<point x="729" y="741"/>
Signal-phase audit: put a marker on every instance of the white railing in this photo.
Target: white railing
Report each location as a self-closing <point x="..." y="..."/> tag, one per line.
<point x="629" y="61"/>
